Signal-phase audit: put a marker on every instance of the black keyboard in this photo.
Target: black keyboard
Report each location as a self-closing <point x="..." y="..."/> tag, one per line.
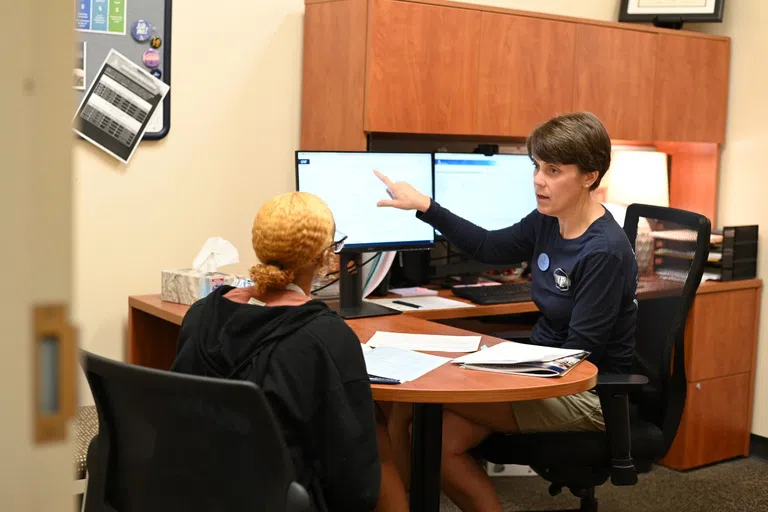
<point x="495" y="294"/>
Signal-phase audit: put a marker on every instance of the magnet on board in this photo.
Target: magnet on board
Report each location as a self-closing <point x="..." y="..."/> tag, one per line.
<point x="141" y="31"/>
<point x="156" y="73"/>
<point x="151" y="58"/>
<point x="155" y="42"/>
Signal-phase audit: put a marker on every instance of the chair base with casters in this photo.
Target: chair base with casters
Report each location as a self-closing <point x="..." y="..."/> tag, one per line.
<point x="582" y="461"/>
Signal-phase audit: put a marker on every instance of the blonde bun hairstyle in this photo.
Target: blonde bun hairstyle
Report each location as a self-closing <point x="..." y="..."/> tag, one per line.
<point x="290" y="232"/>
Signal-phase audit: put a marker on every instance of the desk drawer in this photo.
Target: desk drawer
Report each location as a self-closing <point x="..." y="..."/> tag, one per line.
<point x="715" y="423"/>
<point x="722" y="339"/>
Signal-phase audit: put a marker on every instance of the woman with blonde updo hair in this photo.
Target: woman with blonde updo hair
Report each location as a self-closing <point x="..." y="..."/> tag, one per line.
<point x="303" y="356"/>
<point x="292" y="236"/>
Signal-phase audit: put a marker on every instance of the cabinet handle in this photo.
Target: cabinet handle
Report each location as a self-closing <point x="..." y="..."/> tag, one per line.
<point x="698" y="386"/>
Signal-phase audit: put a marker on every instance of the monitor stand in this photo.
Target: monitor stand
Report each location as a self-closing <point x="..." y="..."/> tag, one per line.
<point x="351" y="304"/>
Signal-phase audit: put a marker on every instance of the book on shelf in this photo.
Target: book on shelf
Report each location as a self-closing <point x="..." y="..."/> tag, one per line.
<point x="523" y="359"/>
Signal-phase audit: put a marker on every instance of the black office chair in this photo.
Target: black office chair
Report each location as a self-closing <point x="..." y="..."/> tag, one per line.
<point x="642" y="411"/>
<point x="169" y="441"/>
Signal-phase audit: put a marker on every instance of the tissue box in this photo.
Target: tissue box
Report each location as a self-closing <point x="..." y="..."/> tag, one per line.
<point x="186" y="286"/>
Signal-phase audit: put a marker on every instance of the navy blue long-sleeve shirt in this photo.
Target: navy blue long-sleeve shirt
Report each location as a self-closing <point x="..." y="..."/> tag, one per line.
<point x="584" y="287"/>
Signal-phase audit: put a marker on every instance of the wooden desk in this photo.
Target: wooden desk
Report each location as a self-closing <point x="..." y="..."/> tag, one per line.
<point x="153" y="329"/>
<point x="721" y="344"/>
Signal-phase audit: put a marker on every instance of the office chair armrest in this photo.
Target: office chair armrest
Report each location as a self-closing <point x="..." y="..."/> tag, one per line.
<point x="614" y="400"/>
<point x="615" y="383"/>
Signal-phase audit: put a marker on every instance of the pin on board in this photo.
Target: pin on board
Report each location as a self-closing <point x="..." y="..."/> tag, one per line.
<point x="138" y="29"/>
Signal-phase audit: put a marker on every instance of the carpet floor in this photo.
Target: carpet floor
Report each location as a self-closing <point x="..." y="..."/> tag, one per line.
<point x="739" y="485"/>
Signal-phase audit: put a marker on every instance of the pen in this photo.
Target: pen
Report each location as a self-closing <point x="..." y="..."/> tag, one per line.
<point x="403" y="303"/>
<point x="382" y="380"/>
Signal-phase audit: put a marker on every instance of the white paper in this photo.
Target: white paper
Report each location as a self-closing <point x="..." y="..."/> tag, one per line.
<point x="422" y="303"/>
<point x="373" y="273"/>
<point x="118" y="106"/>
<point x="509" y="352"/>
<point x="425" y="342"/>
<point x="403" y="365"/>
<point x="216" y="252"/>
<point x="379" y="271"/>
<point x="365" y="348"/>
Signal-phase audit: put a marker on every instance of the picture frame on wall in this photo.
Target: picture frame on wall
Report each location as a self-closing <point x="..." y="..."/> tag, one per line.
<point x="671" y="13"/>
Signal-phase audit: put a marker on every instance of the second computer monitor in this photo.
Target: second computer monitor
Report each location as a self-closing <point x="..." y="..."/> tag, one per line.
<point x="493" y="192"/>
<point x="345" y="180"/>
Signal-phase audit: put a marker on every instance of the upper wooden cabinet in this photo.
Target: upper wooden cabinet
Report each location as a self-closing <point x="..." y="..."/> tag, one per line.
<point x="691" y="89"/>
<point x="614" y="79"/>
<point x="422" y="68"/>
<point x="445" y="68"/>
<point x="526" y="72"/>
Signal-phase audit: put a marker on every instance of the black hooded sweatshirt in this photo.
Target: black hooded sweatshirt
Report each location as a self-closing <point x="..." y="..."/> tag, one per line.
<point x="309" y="364"/>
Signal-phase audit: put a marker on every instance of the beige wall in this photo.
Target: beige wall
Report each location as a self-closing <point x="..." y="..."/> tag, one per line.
<point x="235" y="123"/>
<point x="742" y="173"/>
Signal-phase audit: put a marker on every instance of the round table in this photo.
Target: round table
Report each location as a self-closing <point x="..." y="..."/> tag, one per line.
<point x="452" y="384"/>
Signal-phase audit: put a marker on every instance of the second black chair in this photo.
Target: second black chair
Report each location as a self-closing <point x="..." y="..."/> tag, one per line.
<point x="169" y="441"/>
<point x="642" y="411"/>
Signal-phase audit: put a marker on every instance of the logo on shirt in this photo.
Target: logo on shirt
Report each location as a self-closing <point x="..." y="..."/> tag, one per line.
<point x="562" y="281"/>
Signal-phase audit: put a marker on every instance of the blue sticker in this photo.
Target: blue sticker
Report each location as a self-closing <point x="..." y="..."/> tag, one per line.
<point x="141" y="31"/>
<point x="543" y="262"/>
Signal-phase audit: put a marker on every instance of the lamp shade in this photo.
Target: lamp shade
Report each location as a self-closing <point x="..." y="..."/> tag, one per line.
<point x="638" y="177"/>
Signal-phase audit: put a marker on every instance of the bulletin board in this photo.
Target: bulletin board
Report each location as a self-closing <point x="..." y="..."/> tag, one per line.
<point x="138" y="29"/>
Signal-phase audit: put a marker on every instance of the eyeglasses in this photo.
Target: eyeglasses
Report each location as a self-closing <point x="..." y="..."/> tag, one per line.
<point x="338" y="244"/>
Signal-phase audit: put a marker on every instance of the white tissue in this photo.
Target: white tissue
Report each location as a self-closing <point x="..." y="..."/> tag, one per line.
<point x="216" y="252"/>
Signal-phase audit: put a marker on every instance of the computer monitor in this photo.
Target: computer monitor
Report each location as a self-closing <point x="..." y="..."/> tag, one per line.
<point x="346" y="182"/>
<point x="493" y="192"/>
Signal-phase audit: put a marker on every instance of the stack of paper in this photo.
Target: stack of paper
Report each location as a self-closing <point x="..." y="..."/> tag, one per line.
<point x="523" y="359"/>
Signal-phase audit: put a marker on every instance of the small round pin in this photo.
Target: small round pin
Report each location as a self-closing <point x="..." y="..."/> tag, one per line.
<point x="151" y="58"/>
<point x="543" y="262"/>
<point x="141" y="31"/>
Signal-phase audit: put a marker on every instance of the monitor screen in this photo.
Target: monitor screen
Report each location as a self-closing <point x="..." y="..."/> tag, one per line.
<point x="493" y="192"/>
<point x="345" y="181"/>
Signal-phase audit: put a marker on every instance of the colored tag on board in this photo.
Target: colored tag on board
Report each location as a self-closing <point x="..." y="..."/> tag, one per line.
<point x="543" y="262"/>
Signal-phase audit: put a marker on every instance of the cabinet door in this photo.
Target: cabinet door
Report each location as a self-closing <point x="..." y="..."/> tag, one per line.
<point x="723" y="337"/>
<point x="526" y="73"/>
<point x="422" y="68"/>
<point x="691" y="89"/>
<point x="614" y="71"/>
<point x="715" y="424"/>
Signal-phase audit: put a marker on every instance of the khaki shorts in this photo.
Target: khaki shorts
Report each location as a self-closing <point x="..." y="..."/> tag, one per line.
<point x="573" y="413"/>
